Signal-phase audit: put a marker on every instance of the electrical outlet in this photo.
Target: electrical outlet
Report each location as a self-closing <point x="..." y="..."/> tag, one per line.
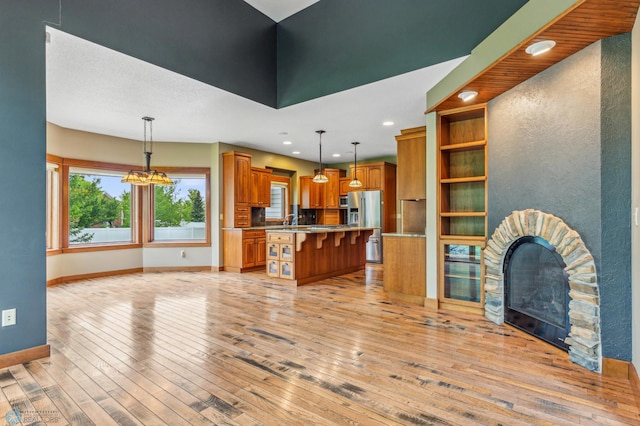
<point x="183" y="253"/>
<point x="8" y="317"/>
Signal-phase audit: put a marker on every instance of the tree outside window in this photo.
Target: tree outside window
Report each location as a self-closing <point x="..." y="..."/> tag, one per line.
<point x="179" y="209"/>
<point x="99" y="209"/>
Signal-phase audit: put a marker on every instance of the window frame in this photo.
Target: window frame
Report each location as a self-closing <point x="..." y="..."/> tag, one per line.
<point x="53" y="205"/>
<point x="283" y="180"/>
<point x="136" y="236"/>
<point x="149" y="207"/>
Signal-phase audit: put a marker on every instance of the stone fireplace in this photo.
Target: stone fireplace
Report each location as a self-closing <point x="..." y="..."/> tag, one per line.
<point x="583" y="341"/>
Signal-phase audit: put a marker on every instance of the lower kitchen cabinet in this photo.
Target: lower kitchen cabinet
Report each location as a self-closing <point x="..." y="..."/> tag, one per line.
<point x="404" y="276"/>
<point x="280" y="255"/>
<point x="244" y="250"/>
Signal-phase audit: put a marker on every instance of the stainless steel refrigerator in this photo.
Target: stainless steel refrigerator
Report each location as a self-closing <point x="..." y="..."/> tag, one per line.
<point x="365" y="209"/>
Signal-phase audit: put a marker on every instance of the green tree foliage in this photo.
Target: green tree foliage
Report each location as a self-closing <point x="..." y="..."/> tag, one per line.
<point x="168" y="207"/>
<point x="126" y="209"/>
<point x="89" y="207"/>
<point x="197" y="206"/>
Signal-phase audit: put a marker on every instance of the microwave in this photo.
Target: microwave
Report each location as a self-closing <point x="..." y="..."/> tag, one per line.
<point x="344" y="202"/>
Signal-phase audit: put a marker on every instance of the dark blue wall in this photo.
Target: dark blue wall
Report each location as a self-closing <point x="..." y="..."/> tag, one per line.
<point x="22" y="171"/>
<point x="336" y="44"/>
<point x="221" y="42"/>
<point x="225" y="43"/>
<point x="560" y="143"/>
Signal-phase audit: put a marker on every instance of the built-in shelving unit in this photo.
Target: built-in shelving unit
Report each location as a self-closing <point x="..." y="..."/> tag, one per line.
<point x="462" y="201"/>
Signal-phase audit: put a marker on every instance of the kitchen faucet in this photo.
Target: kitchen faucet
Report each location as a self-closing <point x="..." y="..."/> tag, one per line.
<point x="294" y="219"/>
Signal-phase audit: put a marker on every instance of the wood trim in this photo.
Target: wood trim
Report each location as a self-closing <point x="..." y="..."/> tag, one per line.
<point x="103" y="247"/>
<point x="25" y="355"/>
<point x="55" y="281"/>
<point x="177" y="269"/>
<point x="430" y="303"/>
<point x="181" y="243"/>
<point x="99" y="165"/>
<point x="615" y="368"/>
<point x="54" y="252"/>
<point x="79" y="277"/>
<point x="406" y="298"/>
<point x="217" y="268"/>
<point x="635" y="383"/>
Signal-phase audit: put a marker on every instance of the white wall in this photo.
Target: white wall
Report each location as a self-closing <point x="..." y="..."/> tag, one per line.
<point x="635" y="190"/>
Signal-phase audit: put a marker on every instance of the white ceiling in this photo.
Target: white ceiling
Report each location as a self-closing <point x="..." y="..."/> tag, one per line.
<point x="95" y="89"/>
<point x="280" y="9"/>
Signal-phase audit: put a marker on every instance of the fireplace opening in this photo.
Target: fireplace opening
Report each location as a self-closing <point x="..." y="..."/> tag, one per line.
<point x="536" y="290"/>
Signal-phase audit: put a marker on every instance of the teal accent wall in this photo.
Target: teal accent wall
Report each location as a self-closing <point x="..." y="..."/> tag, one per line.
<point x="225" y="43"/>
<point x="22" y="171"/>
<point x="561" y="142"/>
<point x="336" y="44"/>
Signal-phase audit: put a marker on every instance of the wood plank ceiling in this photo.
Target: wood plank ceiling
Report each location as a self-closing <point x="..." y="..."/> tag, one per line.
<point x="587" y="22"/>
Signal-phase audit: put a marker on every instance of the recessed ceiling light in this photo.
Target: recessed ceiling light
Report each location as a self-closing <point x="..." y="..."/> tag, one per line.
<point x="388" y="123"/>
<point x="336" y="155"/>
<point x="296" y="152"/>
<point x="467" y="95"/>
<point x="286" y="142"/>
<point x="540" y="47"/>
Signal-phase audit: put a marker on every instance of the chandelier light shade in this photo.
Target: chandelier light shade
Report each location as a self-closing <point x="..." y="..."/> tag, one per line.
<point x="355" y="183"/>
<point x="320" y="177"/>
<point x="147" y="176"/>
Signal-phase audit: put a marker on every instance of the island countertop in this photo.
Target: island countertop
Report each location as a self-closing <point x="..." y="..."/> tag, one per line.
<point x="304" y="254"/>
<point x="306" y="229"/>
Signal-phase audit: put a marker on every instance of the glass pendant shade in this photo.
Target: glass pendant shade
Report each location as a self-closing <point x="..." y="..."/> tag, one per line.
<point x="355" y="183"/>
<point x="320" y="177"/>
<point x="147" y="176"/>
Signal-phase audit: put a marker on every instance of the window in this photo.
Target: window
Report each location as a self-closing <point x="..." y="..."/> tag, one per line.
<point x="279" y="199"/>
<point x="99" y="207"/>
<point x="180" y="211"/>
<point x="53" y="203"/>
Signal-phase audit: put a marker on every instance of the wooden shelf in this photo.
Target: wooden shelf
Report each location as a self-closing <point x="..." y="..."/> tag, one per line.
<point x="465" y="145"/>
<point x="464" y="180"/>
<point x="463" y="214"/>
<point x="462" y="205"/>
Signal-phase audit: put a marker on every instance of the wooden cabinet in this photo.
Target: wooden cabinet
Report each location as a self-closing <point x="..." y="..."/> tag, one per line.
<point x="260" y="187"/>
<point x="411" y="167"/>
<point x="329" y="217"/>
<point x="311" y="195"/>
<point x="244" y="250"/>
<point x="236" y="188"/>
<point x="332" y="188"/>
<point x="344" y="185"/>
<point x="375" y="176"/>
<point x="404" y="277"/>
<point x="462" y="200"/>
<point x="281" y="255"/>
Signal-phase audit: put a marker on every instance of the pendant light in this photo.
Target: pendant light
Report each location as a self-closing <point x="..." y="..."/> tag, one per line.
<point x="320" y="177"/>
<point x="355" y="183"/>
<point x="147" y="176"/>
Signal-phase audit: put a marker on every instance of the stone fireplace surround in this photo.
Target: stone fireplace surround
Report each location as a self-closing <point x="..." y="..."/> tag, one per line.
<point x="584" y="340"/>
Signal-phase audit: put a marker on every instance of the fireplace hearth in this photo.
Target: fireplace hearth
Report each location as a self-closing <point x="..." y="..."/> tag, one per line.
<point x="536" y="290"/>
<point x="577" y="267"/>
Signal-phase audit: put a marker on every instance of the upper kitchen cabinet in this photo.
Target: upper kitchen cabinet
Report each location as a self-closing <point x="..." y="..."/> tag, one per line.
<point x="375" y="176"/>
<point x="236" y="187"/>
<point x="311" y="194"/>
<point x="332" y="188"/>
<point x="412" y="158"/>
<point x="260" y="187"/>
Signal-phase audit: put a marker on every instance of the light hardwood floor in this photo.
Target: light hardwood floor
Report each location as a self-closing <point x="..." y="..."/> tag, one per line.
<point x="222" y="348"/>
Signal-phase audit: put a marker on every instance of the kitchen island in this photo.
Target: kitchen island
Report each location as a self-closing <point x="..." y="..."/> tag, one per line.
<point x="312" y="253"/>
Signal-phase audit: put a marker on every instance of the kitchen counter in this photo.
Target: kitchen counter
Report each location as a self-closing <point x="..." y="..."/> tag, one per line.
<point x="308" y="229"/>
<point x="406" y="235"/>
<point x="304" y="254"/>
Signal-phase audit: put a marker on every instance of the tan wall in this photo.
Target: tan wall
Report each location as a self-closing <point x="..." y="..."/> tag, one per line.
<point x="96" y="147"/>
<point x="69" y="143"/>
